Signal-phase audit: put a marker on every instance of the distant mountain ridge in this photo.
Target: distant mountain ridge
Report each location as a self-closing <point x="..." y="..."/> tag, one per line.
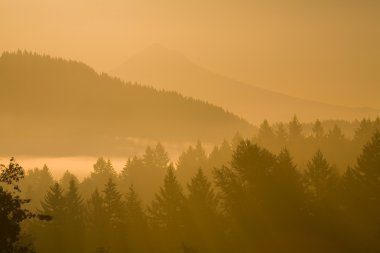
<point x="59" y="107"/>
<point x="170" y="70"/>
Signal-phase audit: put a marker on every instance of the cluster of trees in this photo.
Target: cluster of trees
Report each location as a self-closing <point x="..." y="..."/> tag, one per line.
<point x="12" y="210"/>
<point x="258" y="201"/>
<point x="340" y="141"/>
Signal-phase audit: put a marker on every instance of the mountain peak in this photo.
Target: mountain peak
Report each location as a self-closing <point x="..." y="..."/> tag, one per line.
<point x="167" y="69"/>
<point x="157" y="47"/>
<point x="158" y="54"/>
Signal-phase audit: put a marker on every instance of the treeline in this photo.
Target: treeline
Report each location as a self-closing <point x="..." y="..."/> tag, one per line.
<point x="102" y="112"/>
<point x="340" y="141"/>
<point x="146" y="172"/>
<point x="256" y="202"/>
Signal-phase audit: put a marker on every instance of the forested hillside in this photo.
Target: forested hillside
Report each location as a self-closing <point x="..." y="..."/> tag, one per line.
<point x="57" y="107"/>
<point x="239" y="198"/>
<point x="170" y="70"/>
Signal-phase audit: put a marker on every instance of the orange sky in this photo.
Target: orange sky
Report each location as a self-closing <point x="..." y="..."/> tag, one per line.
<point x="318" y="49"/>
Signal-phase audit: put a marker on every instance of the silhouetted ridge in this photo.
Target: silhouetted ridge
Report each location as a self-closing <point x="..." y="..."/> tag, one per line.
<point x="170" y="70"/>
<point x="49" y="99"/>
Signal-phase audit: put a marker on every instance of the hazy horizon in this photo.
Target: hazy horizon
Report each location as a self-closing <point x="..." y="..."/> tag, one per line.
<point x="311" y="46"/>
<point x="203" y="126"/>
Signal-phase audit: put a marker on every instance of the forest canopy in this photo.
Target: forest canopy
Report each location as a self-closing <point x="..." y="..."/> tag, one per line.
<point x="47" y="100"/>
<point x="241" y="197"/>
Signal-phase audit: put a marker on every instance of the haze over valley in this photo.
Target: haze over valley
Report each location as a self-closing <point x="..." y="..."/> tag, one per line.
<point x="196" y="126"/>
<point x="167" y="69"/>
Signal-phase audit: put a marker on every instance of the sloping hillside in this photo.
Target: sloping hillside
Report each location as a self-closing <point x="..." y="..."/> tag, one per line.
<point x="167" y="69"/>
<point x="52" y="106"/>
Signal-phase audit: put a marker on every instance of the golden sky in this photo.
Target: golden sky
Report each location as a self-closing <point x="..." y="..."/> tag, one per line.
<point x="325" y="50"/>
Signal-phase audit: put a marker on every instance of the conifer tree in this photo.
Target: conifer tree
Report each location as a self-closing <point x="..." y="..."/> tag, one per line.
<point x="74" y="226"/>
<point x="103" y="168"/>
<point x="318" y="130"/>
<point x="266" y="136"/>
<point x="167" y="213"/>
<point x="35" y="184"/>
<point x="218" y="157"/>
<point x="156" y="157"/>
<point x="137" y="234"/>
<point x="245" y="189"/>
<point x="320" y="177"/>
<point x="66" y="180"/>
<point x="288" y="188"/>
<point x="236" y="140"/>
<point x="364" y="178"/>
<point x="167" y="207"/>
<point x="113" y="204"/>
<point x="281" y="135"/>
<point x="335" y="136"/>
<point x="190" y="161"/>
<point x="201" y="195"/>
<point x="361" y="185"/>
<point x="132" y="164"/>
<point x="54" y="202"/>
<point x="74" y="203"/>
<point x="368" y="163"/>
<point x="147" y="173"/>
<point x="203" y="224"/>
<point x="96" y="221"/>
<point x="295" y="130"/>
<point x="51" y="233"/>
<point x="253" y="164"/>
<point x="133" y="209"/>
<point x="114" y="213"/>
<point x="364" y="133"/>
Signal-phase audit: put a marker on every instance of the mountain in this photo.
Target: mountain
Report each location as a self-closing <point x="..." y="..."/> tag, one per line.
<point x="167" y="69"/>
<point x="51" y="106"/>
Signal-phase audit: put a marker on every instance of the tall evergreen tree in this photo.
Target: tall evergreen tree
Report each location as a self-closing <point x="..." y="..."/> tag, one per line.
<point x="51" y="233"/>
<point x="147" y="173"/>
<point x="253" y="164"/>
<point x="364" y="180"/>
<point x="54" y="202"/>
<point x="318" y="130"/>
<point x="35" y="184"/>
<point x="203" y="224"/>
<point x="114" y="212"/>
<point x="246" y="188"/>
<point x="335" y="136"/>
<point x="157" y="157"/>
<point x="218" y="157"/>
<point x="102" y="171"/>
<point x="201" y="194"/>
<point x="65" y="180"/>
<point x="103" y="168"/>
<point x="295" y="130"/>
<point x="137" y="234"/>
<point x="364" y="133"/>
<point x="167" y="213"/>
<point x="113" y="204"/>
<point x="320" y="177"/>
<point x="236" y="139"/>
<point x="73" y="226"/>
<point x="133" y="208"/>
<point x="190" y="161"/>
<point x="281" y="136"/>
<point x="167" y="207"/>
<point x="266" y="136"/>
<point x="96" y="222"/>
<point x="289" y="193"/>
